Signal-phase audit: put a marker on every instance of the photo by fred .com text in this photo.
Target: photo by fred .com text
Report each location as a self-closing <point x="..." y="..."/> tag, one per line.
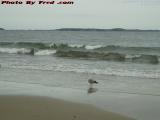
<point x="41" y="2"/>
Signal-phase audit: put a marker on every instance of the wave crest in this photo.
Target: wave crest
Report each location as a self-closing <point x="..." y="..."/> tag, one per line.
<point x="45" y="52"/>
<point x="111" y="52"/>
<point x="14" y="50"/>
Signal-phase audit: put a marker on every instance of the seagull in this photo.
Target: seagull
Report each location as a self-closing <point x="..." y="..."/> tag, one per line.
<point x="91" y="89"/>
<point x="91" y="81"/>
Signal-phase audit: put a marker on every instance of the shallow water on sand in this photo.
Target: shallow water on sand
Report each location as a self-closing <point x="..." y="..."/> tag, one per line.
<point x="134" y="97"/>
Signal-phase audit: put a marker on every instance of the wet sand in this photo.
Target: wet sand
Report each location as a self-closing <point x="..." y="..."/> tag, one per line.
<point x="45" y="108"/>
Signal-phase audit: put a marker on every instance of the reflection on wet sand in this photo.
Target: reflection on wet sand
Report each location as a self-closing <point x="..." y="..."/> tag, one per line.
<point x="92" y="90"/>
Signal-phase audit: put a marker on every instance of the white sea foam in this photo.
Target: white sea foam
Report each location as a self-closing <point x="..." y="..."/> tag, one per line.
<point x="131" y="56"/>
<point x="14" y="50"/>
<point x="76" y="45"/>
<point x="108" y="71"/>
<point x="45" y="52"/>
<point x="84" y="69"/>
<point x="91" y="47"/>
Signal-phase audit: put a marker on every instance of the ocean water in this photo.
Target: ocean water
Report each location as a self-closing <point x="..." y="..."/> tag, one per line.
<point x="15" y="47"/>
<point x="59" y="63"/>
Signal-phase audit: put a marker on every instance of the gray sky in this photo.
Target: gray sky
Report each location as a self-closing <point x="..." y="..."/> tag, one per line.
<point x="142" y="14"/>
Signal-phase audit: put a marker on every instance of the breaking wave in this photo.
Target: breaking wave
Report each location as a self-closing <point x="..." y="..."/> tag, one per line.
<point x="45" y="52"/>
<point x="27" y="51"/>
<point x="110" y="52"/>
<point x="14" y="50"/>
<point x="91" y="47"/>
<point x="91" y="55"/>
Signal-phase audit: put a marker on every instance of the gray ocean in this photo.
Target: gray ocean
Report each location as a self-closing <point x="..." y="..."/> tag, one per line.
<point x="14" y="46"/>
<point x="123" y="62"/>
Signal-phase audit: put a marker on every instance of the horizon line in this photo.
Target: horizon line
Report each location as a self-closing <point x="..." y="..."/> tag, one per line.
<point x="76" y="28"/>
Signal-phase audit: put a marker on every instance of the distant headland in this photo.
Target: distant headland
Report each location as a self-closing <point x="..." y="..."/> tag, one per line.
<point x="95" y="29"/>
<point x="89" y="29"/>
<point x="1" y="28"/>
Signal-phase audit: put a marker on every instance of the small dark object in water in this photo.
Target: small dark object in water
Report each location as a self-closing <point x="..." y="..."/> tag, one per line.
<point x="91" y="81"/>
<point x="32" y="51"/>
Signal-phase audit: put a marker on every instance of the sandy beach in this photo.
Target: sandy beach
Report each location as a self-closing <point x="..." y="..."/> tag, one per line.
<point x="44" y="108"/>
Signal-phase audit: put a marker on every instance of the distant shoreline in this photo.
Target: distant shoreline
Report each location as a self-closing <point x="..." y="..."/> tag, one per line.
<point x="96" y="29"/>
<point x="86" y="29"/>
<point x="2" y="29"/>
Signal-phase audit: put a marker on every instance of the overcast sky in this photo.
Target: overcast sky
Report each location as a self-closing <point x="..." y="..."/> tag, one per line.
<point x="141" y="14"/>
